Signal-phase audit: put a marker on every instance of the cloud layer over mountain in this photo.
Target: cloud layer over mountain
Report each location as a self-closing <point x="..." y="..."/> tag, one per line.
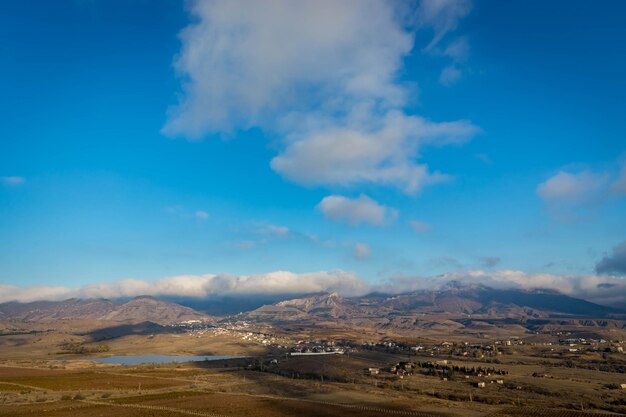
<point x="600" y="289"/>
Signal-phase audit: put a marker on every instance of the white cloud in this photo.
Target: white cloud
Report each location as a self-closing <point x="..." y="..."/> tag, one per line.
<point x="450" y="75"/>
<point x="202" y="215"/>
<point x="570" y="196"/>
<point x="419" y="227"/>
<point x="324" y="77"/>
<point x="458" y="52"/>
<point x="442" y="16"/>
<point x="600" y="289"/>
<point x="596" y="288"/>
<point x="369" y="149"/>
<point x="361" y="252"/>
<point x="198" y="286"/>
<point x="243" y="61"/>
<point x="572" y="188"/>
<point x="12" y="181"/>
<point x="361" y="210"/>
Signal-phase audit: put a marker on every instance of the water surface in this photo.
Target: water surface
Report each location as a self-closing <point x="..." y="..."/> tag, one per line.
<point x="139" y="359"/>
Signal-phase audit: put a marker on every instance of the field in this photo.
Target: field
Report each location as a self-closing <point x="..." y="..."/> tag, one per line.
<point x="534" y="378"/>
<point x="187" y="390"/>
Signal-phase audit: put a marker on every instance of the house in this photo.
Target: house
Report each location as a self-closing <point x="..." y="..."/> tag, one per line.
<point x="402" y="368"/>
<point x="373" y="371"/>
<point x="480" y="385"/>
<point x="622" y="386"/>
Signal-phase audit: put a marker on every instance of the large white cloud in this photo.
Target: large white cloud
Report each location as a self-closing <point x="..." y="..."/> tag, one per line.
<point x="369" y="148"/>
<point x="243" y="61"/>
<point x="361" y="210"/>
<point x="323" y="77"/>
<point x="197" y="286"/>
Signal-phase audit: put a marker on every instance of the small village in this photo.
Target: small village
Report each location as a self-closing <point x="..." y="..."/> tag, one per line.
<point x="239" y="329"/>
<point x="248" y="331"/>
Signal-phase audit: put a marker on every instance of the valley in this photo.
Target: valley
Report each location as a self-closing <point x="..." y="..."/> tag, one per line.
<point x="457" y="351"/>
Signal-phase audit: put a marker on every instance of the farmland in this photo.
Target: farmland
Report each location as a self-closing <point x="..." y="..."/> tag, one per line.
<point x="276" y="384"/>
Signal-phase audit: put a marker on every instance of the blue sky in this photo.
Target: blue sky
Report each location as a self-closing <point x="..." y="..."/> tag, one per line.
<point x="383" y="139"/>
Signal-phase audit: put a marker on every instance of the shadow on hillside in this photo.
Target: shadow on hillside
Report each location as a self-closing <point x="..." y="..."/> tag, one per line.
<point x="147" y="328"/>
<point x="227" y="364"/>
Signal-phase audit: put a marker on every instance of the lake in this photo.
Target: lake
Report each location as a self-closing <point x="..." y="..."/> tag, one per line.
<point x="139" y="359"/>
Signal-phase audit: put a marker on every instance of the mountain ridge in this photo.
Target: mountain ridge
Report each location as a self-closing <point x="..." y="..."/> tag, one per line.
<point x="137" y="309"/>
<point x="453" y="308"/>
<point x="456" y="301"/>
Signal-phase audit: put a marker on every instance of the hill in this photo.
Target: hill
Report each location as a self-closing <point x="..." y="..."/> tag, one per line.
<point x="139" y="309"/>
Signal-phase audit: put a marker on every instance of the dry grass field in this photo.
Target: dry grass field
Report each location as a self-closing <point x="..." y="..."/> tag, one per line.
<point x="230" y="389"/>
<point x="37" y="378"/>
<point x="46" y="345"/>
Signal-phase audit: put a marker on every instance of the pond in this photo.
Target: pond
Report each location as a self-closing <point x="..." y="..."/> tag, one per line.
<point x="136" y="360"/>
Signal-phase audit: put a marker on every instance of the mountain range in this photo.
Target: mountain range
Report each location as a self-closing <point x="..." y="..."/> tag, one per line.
<point x="454" y="298"/>
<point x="454" y="307"/>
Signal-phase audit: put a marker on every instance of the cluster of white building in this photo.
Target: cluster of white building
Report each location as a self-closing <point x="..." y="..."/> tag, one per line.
<point x="240" y="329"/>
